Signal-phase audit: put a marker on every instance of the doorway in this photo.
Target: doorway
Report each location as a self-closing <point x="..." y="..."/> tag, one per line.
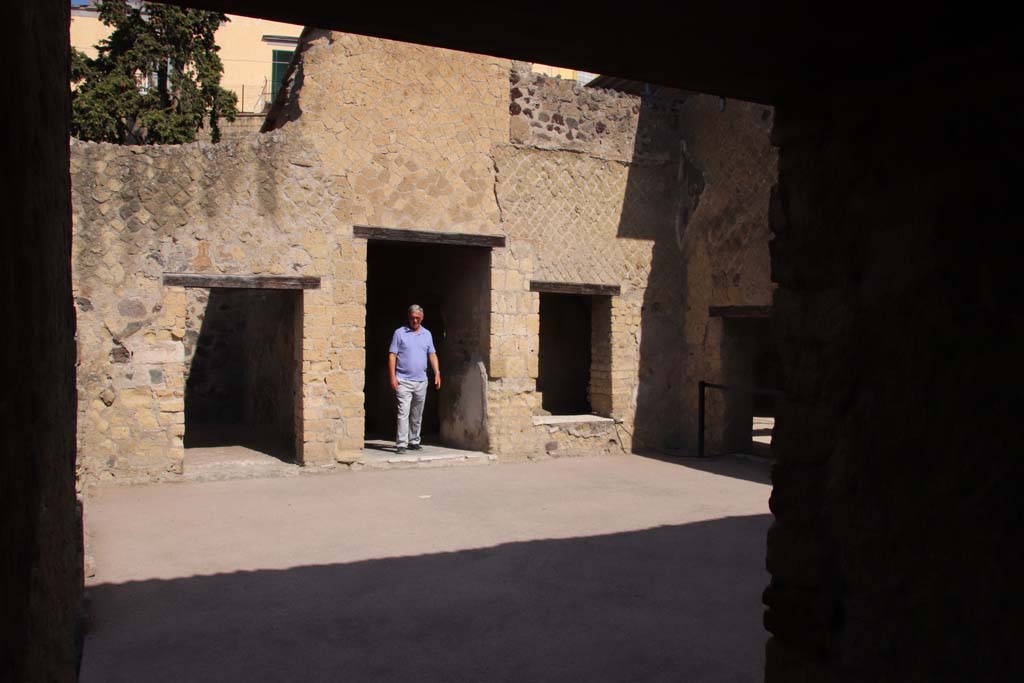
<point x="452" y="284"/>
<point x="751" y="363"/>
<point x="241" y="373"/>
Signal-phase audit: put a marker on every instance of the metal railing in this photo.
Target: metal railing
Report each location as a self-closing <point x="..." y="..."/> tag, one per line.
<point x="702" y="387"/>
<point x="253" y="98"/>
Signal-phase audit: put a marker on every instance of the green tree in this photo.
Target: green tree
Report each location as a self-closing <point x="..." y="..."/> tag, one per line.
<point x="156" y="79"/>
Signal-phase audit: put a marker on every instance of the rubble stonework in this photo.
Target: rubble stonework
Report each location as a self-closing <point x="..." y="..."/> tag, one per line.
<point x="550" y="113"/>
<point x="666" y="199"/>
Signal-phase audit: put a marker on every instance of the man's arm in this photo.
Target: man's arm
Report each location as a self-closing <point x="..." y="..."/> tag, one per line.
<point x="392" y="361"/>
<point x="437" y="370"/>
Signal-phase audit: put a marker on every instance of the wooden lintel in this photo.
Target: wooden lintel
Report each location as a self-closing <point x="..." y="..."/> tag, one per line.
<point x="460" y="239"/>
<point x="211" y="281"/>
<point x="740" y="311"/>
<point x="574" y="288"/>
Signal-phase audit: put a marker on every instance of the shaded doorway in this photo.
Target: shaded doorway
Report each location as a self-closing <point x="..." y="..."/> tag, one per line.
<point x="241" y="370"/>
<point x="752" y="365"/>
<point x="767" y="377"/>
<point x="452" y="283"/>
<point x="563" y="377"/>
<point x="574" y="354"/>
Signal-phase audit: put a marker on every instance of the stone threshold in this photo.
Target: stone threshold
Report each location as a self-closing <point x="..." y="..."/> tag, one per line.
<point x="381" y="461"/>
<point x="234" y="462"/>
<point x="559" y="420"/>
<point x="380" y="455"/>
<point x="237" y="462"/>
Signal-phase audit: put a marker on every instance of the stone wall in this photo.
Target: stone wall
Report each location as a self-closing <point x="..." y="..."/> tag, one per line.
<point x="243" y="126"/>
<point x="282" y="203"/>
<point x="589" y="204"/>
<point x="666" y="196"/>
<point x="551" y="113"/>
<point x="588" y="219"/>
<point x="256" y="206"/>
<point x="41" y="533"/>
<point x="728" y="170"/>
<point x="896" y="494"/>
<point x="582" y="436"/>
<point x="379" y="133"/>
<point x="405" y="131"/>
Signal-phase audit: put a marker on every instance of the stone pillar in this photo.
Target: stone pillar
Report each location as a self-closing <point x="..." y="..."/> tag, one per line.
<point x="897" y="241"/>
<point x="169" y="380"/>
<point x="348" y="371"/>
<point x="625" y="354"/>
<point x="514" y="351"/>
<point x="322" y="381"/>
<point x="41" y="563"/>
<point x="601" y="355"/>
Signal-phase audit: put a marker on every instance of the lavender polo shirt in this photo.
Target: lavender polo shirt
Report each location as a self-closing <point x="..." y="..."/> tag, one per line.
<point x="411" y="349"/>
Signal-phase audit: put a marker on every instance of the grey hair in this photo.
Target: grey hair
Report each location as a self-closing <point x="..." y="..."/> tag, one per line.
<point x="415" y="308"/>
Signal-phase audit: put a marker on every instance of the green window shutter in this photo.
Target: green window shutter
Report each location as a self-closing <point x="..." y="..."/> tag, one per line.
<point x="282" y="59"/>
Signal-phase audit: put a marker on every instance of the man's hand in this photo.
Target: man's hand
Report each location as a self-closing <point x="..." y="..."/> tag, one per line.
<point x="392" y="366"/>
<point x="432" y="357"/>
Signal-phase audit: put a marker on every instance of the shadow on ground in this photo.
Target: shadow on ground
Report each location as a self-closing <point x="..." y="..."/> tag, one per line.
<point x="241" y="436"/>
<point x="678" y="603"/>
<point x="755" y="467"/>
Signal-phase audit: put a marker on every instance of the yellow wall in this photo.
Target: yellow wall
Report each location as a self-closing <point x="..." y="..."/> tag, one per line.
<point x="247" y="57"/>
<point x="583" y="77"/>
<point x="556" y="71"/>
<point x="86" y="31"/>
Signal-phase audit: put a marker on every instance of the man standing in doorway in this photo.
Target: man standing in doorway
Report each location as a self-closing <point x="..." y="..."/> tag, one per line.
<point x="411" y="347"/>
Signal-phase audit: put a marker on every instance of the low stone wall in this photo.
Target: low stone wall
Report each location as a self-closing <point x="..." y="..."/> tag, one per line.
<point x="243" y="126"/>
<point x="573" y="436"/>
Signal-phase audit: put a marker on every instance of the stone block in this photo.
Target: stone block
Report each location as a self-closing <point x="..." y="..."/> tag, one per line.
<point x="347" y="456"/>
<point x="316" y="453"/>
<point x="172" y="405"/>
<point x="339" y="383"/>
<point x="136" y="398"/>
<point x="147" y="421"/>
<point x="157" y="353"/>
<point x="352" y="314"/>
<point x="353" y="359"/>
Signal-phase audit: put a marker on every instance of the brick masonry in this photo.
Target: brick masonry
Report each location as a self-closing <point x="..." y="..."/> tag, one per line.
<point x="666" y="198"/>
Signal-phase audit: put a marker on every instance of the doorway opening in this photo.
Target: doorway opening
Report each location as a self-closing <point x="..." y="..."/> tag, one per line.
<point x="241" y="371"/>
<point x="452" y="284"/>
<point x="574" y="363"/>
<point x="751" y="362"/>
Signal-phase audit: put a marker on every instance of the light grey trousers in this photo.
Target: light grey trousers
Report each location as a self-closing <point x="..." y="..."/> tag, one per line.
<point x="411" y="397"/>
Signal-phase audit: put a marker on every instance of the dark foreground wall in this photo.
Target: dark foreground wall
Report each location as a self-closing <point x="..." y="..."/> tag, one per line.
<point x="40" y="552"/>
<point x="897" y="228"/>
